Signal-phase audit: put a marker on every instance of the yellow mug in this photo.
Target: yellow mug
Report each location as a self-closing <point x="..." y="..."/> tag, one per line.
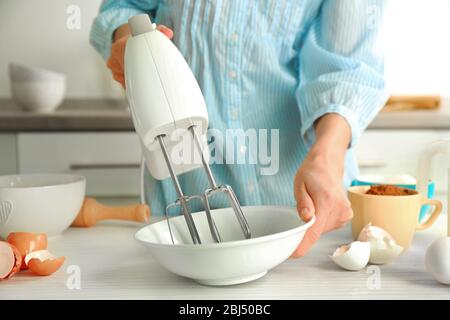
<point x="398" y="215"/>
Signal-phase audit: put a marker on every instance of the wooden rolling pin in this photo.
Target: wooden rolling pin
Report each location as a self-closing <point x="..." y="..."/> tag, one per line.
<point x="397" y="103"/>
<point x="91" y="212"/>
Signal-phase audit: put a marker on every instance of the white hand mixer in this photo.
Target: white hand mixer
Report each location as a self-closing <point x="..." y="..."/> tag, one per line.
<point x="169" y="111"/>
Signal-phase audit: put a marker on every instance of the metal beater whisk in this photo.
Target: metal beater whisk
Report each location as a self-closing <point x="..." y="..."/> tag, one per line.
<point x="214" y="189"/>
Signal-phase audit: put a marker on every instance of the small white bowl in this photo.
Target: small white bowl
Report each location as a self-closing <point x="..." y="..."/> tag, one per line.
<point x="45" y="203"/>
<point x="21" y="73"/>
<point x="37" y="90"/>
<point x="276" y="233"/>
<point x="38" y="97"/>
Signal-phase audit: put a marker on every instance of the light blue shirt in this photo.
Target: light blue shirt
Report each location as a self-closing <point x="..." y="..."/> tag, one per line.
<point x="267" y="64"/>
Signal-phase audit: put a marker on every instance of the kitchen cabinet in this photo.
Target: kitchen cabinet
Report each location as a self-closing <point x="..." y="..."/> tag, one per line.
<point x="397" y="152"/>
<point x="109" y="160"/>
<point x="8" y="154"/>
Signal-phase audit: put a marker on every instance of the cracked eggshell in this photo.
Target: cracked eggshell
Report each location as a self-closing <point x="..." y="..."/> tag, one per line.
<point x="27" y="242"/>
<point x="353" y="256"/>
<point x="383" y="248"/>
<point x="10" y="260"/>
<point x="43" y="263"/>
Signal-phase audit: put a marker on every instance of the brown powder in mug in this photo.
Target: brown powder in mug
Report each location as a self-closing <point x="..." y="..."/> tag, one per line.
<point x="390" y="190"/>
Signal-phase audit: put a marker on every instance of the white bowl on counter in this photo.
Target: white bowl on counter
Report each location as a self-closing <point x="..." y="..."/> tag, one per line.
<point x="36" y="90"/>
<point x="43" y="203"/>
<point x="276" y="233"/>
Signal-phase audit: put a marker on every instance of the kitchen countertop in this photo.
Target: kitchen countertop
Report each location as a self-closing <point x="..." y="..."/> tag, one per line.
<point x="114" y="266"/>
<point x="72" y="115"/>
<point x="419" y="119"/>
<point x="113" y="115"/>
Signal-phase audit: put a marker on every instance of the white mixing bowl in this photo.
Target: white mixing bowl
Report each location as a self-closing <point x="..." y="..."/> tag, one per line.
<point x="276" y="232"/>
<point x="45" y="203"/>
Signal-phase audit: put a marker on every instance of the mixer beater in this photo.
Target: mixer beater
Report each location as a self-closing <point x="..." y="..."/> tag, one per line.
<point x="214" y="189"/>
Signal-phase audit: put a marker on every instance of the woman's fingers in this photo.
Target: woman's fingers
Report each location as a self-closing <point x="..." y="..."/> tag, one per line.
<point x="116" y="60"/>
<point x="332" y="209"/>
<point x="117" y="70"/>
<point x="339" y="217"/>
<point x="120" y="78"/>
<point x="311" y="236"/>
<point x="305" y="205"/>
<point x="167" y="31"/>
<point x="113" y="64"/>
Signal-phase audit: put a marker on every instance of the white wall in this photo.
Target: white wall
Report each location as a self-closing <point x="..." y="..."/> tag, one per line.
<point x="417" y="38"/>
<point x="35" y="33"/>
<point x="417" y="46"/>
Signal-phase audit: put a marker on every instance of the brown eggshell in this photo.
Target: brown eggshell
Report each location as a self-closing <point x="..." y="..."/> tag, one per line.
<point x="46" y="267"/>
<point x="13" y="264"/>
<point x="27" y="242"/>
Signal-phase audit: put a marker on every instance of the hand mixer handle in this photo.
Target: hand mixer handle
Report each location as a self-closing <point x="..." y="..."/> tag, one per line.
<point x="163" y="94"/>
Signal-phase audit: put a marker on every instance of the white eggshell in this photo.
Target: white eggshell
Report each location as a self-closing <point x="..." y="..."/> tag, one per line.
<point x="42" y="255"/>
<point x="370" y="231"/>
<point x="353" y="256"/>
<point x="383" y="248"/>
<point x="437" y="260"/>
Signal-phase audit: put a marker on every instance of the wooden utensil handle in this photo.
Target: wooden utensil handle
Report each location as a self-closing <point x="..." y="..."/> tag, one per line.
<point x="92" y="212"/>
<point x="419" y="102"/>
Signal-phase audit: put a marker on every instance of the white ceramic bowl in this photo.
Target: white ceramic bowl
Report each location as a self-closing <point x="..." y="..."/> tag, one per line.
<point x="45" y="203"/>
<point x="37" y="90"/>
<point x="276" y="232"/>
<point x="38" y="96"/>
<point x="21" y="73"/>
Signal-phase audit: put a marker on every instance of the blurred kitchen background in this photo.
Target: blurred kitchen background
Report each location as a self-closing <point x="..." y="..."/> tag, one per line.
<point x="91" y="131"/>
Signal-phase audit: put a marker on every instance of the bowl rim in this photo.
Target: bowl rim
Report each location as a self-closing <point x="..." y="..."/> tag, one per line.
<point x="34" y="72"/>
<point x="373" y="196"/>
<point x="236" y="243"/>
<point x="368" y="178"/>
<point x="78" y="179"/>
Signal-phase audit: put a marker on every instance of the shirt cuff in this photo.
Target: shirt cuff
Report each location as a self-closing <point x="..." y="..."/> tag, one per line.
<point x="105" y="24"/>
<point x="308" y="131"/>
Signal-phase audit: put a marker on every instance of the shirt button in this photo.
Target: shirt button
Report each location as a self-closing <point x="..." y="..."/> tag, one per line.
<point x="234" y="113"/>
<point x="232" y="74"/>
<point x="242" y="149"/>
<point x="234" y="37"/>
<point x="250" y="187"/>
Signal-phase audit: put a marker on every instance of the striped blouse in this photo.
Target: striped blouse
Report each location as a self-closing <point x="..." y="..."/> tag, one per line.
<point x="271" y="66"/>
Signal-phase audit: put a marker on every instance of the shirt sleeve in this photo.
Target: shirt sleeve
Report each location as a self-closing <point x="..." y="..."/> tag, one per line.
<point x="112" y="15"/>
<point x="341" y="66"/>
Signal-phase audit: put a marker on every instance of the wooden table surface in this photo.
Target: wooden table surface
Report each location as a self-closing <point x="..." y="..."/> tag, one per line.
<point x="113" y="265"/>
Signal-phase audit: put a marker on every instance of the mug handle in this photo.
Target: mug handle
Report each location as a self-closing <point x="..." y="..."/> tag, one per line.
<point x="434" y="215"/>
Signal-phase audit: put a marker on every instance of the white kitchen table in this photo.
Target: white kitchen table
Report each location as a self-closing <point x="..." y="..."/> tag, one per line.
<point x="114" y="266"/>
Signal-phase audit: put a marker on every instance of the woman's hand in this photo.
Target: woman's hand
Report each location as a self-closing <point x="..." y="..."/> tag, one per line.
<point x="116" y="61"/>
<point x="318" y="183"/>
